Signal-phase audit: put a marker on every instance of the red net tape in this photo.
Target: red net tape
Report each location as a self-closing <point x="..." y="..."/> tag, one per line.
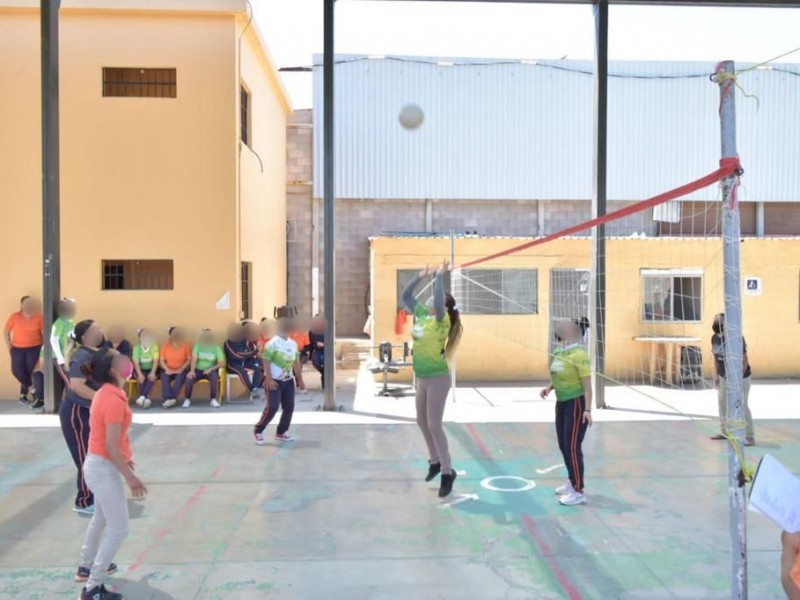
<point x="727" y="166"/>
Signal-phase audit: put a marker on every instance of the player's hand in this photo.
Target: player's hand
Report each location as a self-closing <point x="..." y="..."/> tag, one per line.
<point x="207" y="372"/>
<point x="587" y="417"/>
<point x="716" y="381"/>
<point x="132" y="465"/>
<point x="190" y="375"/>
<point x="140" y="379"/>
<point x="273" y="385"/>
<point x="425" y="272"/>
<point x="137" y="487"/>
<point x="544" y="393"/>
<point x="444" y="268"/>
<point x="152" y="377"/>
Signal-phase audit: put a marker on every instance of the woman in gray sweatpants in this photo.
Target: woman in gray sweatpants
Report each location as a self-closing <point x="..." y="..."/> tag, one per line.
<point x="107" y="463"/>
<point x="437" y="331"/>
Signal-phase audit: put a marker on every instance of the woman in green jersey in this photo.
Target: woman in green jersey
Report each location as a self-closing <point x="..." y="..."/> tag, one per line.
<point x="571" y="378"/>
<point x="437" y="331"/>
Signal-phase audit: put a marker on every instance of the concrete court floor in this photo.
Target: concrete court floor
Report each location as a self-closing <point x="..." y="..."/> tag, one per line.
<point x="343" y="511"/>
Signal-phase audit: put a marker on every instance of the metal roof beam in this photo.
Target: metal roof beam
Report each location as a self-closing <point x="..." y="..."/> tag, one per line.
<point x="720" y="3"/>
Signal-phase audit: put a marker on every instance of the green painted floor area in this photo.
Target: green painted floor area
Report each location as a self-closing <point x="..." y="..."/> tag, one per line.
<point x="343" y="513"/>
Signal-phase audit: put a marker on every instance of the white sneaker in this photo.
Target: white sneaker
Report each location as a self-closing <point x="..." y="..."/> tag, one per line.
<point x="140" y="401"/>
<point x="214" y="403"/>
<point x="573" y="498"/>
<point x="187" y="403"/>
<point x="259" y="438"/>
<point x="565" y="489"/>
<point x="302" y="392"/>
<point x="169" y="403"/>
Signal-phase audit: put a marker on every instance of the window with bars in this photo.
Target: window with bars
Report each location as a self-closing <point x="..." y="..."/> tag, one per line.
<point x="424" y="291"/>
<point x="137" y="275"/>
<point x="497" y="291"/>
<point x="675" y="296"/>
<point x="124" y="82"/>
<point x="244" y="114"/>
<point x="247" y="290"/>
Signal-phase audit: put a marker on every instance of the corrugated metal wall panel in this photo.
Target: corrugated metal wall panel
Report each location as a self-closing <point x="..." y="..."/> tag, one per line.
<point x="517" y="131"/>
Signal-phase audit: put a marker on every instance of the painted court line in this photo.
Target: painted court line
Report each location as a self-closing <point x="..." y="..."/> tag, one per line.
<point x="530" y="526"/>
<point x="190" y="502"/>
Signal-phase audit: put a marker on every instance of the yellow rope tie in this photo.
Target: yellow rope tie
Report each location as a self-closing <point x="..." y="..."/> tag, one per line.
<point x="722" y="77"/>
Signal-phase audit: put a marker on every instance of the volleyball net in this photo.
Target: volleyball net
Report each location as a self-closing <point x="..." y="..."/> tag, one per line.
<point x="664" y="285"/>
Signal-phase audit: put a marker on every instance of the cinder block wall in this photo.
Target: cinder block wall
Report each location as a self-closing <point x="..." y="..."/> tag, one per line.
<point x="299" y="210"/>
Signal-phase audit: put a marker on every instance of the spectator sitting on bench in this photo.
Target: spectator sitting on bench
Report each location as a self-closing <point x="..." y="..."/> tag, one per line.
<point x="267" y="332"/>
<point x="241" y="355"/>
<point x="145" y="363"/>
<point x="116" y="341"/>
<point x="176" y="358"/>
<point x="207" y="360"/>
<point x="299" y="335"/>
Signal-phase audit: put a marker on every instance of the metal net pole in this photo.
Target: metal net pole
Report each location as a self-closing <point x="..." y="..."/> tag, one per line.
<point x="733" y="341"/>
<point x="329" y="193"/>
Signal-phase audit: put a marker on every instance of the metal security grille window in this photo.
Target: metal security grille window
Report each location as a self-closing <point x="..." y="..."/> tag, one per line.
<point x="497" y="291"/>
<point x="247" y="290"/>
<point x="121" y="82"/>
<point x="137" y="275"/>
<point x="244" y="115"/>
<point x="672" y="296"/>
<point x="424" y="290"/>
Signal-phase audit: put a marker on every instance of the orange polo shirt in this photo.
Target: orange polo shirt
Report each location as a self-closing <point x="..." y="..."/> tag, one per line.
<point x="26" y="332"/>
<point x="301" y="339"/>
<point x="174" y="357"/>
<point x="109" y="407"/>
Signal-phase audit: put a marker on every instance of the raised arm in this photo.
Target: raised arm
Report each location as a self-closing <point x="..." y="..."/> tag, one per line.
<point x="409" y="301"/>
<point x="438" y="296"/>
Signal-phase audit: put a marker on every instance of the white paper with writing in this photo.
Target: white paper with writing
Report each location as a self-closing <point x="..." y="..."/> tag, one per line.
<point x="776" y="493"/>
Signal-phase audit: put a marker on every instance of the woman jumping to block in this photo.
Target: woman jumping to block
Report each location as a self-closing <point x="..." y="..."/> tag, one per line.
<point x="571" y="378"/>
<point x="437" y="332"/>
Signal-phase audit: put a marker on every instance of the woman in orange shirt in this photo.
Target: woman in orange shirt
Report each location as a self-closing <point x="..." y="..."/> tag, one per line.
<point x="176" y="358"/>
<point x="24" y="335"/>
<point x="108" y="461"/>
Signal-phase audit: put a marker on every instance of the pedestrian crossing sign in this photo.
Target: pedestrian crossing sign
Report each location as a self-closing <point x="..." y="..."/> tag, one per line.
<point x="752" y="286"/>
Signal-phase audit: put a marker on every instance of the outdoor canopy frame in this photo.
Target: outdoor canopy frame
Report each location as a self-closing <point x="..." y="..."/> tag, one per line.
<point x="739" y="586"/>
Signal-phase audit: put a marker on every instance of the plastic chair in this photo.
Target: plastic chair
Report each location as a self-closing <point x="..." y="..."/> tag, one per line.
<point x="229" y="379"/>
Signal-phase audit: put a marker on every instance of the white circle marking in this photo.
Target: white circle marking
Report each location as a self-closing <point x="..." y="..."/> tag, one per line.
<point x="527" y="484"/>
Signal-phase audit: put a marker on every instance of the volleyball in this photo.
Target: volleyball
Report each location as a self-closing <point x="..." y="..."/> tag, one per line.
<point x="411" y="116"/>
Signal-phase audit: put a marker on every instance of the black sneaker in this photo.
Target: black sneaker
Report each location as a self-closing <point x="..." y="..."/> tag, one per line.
<point x="38" y="403"/>
<point x="82" y="576"/>
<point x="99" y="593"/>
<point x="24" y="400"/>
<point x="433" y="470"/>
<point x="448" y="479"/>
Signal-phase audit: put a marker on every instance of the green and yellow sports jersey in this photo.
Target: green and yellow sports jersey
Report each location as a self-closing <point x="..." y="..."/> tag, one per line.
<point x="429" y="336"/>
<point x="570" y="365"/>
<point x="207" y="355"/>
<point x="146" y="357"/>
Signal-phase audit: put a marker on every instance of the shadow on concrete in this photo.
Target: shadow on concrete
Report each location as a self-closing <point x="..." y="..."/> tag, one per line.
<point x="140" y="590"/>
<point x="32" y="515"/>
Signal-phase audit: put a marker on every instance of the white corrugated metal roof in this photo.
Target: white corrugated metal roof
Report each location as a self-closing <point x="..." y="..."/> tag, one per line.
<point x="513" y="130"/>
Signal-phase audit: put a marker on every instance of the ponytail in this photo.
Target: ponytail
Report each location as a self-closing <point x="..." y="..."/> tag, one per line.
<point x="456" y="329"/>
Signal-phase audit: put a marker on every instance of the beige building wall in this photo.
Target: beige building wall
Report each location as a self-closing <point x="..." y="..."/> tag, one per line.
<point x="263" y="176"/>
<point x="145" y="178"/>
<point x="515" y="347"/>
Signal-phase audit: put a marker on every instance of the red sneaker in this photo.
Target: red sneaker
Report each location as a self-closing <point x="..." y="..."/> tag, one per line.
<point x="283" y="437"/>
